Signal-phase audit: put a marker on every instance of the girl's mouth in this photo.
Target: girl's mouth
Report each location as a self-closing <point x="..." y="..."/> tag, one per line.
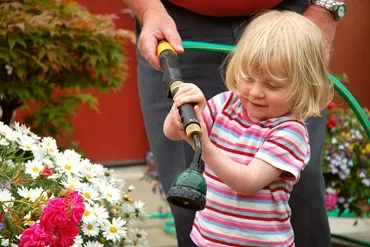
<point x="256" y="105"/>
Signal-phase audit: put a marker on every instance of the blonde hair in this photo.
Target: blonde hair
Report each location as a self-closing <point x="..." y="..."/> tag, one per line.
<point x="297" y="46"/>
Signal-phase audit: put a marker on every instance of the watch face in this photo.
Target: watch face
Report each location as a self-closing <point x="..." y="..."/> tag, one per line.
<point x="341" y="10"/>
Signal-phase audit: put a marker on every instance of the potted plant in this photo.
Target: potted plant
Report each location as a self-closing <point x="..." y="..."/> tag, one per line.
<point x="57" y="198"/>
<point x="50" y="52"/>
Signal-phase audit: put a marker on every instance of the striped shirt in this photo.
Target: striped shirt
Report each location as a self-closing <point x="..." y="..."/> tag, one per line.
<point x="262" y="219"/>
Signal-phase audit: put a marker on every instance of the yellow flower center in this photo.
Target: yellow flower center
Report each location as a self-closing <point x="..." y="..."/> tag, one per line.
<point x="87" y="195"/>
<point x="35" y="169"/>
<point x="88" y="176"/>
<point x="109" y="195"/>
<point x="28" y="147"/>
<point x="71" y="186"/>
<point x="86" y="213"/>
<point x="90" y="227"/>
<point x="113" y="229"/>
<point x="67" y="167"/>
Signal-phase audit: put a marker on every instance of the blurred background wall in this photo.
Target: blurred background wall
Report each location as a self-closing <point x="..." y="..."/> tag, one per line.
<point x="116" y="135"/>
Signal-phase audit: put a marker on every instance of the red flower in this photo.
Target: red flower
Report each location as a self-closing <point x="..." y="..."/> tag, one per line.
<point x="331" y="105"/>
<point x="46" y="172"/>
<point x="332" y="122"/>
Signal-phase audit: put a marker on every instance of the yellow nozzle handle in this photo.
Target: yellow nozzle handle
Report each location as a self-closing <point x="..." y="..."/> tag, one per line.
<point x="162" y="46"/>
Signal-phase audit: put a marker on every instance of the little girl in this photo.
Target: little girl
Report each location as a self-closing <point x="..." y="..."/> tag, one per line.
<point x="254" y="139"/>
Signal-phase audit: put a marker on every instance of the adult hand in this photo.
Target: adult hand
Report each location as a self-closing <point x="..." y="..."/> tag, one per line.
<point x="157" y="25"/>
<point x="324" y="19"/>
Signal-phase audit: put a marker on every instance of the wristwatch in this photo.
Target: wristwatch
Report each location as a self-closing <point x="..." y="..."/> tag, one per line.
<point x="338" y="9"/>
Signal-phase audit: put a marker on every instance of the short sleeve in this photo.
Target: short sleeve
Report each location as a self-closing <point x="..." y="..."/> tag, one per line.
<point x="213" y="107"/>
<point x="287" y="148"/>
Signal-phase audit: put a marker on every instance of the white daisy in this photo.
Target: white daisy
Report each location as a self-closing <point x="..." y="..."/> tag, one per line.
<point x="5" y="197"/>
<point x="93" y="244"/>
<point x="91" y="229"/>
<point x="34" y="167"/>
<point x="28" y="220"/>
<point x="88" y="215"/>
<point x="114" y="230"/>
<point x="111" y="194"/>
<point x="27" y="143"/>
<point x="136" y="237"/>
<point x="3" y="141"/>
<point x="68" y="163"/>
<point x="8" y="132"/>
<point x="127" y="211"/>
<point x="100" y="213"/>
<point x="78" y="241"/>
<point x="89" y="192"/>
<point x="33" y="194"/>
<point x="24" y="192"/>
<point x="41" y="155"/>
<point x="72" y="183"/>
<point x="24" y="130"/>
<point x="139" y="209"/>
<point x="50" y="145"/>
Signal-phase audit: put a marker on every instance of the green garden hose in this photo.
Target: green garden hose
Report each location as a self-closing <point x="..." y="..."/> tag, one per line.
<point x="339" y="87"/>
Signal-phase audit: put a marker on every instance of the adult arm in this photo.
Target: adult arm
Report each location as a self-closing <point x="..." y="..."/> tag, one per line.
<point x="324" y="19"/>
<point x="157" y="25"/>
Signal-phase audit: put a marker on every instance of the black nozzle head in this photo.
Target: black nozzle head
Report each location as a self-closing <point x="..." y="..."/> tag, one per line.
<point x="189" y="189"/>
<point x="186" y="197"/>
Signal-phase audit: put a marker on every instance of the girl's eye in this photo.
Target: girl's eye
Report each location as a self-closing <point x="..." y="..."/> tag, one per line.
<point x="248" y="79"/>
<point x="271" y="85"/>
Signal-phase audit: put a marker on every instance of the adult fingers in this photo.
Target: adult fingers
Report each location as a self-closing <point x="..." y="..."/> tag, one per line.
<point x="147" y="46"/>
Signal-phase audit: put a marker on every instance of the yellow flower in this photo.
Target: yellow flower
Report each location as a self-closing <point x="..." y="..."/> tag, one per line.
<point x="366" y="149"/>
<point x="351" y="146"/>
<point x="345" y="134"/>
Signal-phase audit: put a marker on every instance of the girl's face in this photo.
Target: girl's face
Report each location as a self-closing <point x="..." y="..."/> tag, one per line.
<point x="264" y="97"/>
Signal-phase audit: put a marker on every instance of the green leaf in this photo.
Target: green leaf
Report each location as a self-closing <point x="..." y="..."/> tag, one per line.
<point x="14" y="39"/>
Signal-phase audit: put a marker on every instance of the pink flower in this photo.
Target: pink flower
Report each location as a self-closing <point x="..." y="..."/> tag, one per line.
<point x="331" y="200"/>
<point x="54" y="214"/>
<point x="75" y="207"/>
<point x="35" y="236"/>
<point x="64" y="236"/>
<point x="46" y="172"/>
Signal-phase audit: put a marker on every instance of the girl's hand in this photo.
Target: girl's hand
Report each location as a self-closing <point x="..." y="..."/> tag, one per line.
<point x="177" y="126"/>
<point x="189" y="93"/>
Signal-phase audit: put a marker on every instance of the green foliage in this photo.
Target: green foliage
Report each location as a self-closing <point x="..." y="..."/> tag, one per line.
<point x="51" y="51"/>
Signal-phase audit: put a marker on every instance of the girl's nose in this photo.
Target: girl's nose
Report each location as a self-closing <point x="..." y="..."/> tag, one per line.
<point x="256" y="91"/>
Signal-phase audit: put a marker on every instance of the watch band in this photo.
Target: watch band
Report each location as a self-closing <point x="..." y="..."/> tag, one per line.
<point x="338" y="8"/>
<point x="328" y="4"/>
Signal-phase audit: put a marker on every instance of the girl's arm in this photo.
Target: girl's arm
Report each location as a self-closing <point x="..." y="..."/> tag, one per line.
<point x="241" y="178"/>
<point x="244" y="179"/>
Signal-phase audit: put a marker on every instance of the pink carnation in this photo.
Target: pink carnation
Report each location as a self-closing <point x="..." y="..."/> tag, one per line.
<point x="64" y="236"/>
<point x="75" y="207"/>
<point x="54" y="214"/>
<point x="331" y="200"/>
<point x="35" y="236"/>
